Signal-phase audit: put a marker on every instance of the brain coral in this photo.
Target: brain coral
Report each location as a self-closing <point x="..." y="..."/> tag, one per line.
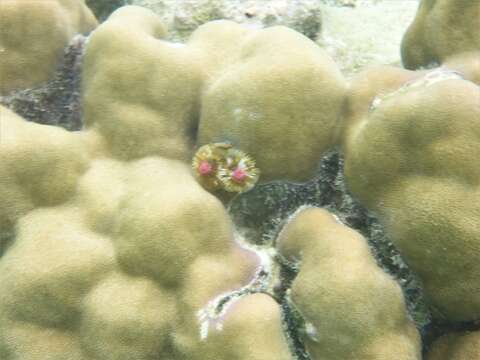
<point x="271" y="93"/>
<point x="113" y="260"/>
<point x="412" y="158"/>
<point x="441" y="28"/>
<point x="33" y="35"/>
<point x="356" y="310"/>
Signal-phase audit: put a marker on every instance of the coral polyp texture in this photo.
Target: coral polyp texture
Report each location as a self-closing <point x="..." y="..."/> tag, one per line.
<point x="411" y="158"/>
<point x="456" y="346"/>
<point x="116" y="240"/>
<point x="114" y="260"/>
<point x="284" y="110"/>
<point x="271" y="93"/>
<point x="33" y="35"/>
<point x="352" y="309"/>
<point x="441" y="29"/>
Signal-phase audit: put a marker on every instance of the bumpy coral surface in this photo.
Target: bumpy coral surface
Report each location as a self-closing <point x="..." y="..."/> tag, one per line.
<point x="33" y="35"/>
<point x="111" y="249"/>
<point x="378" y="81"/>
<point x="441" y="28"/>
<point x="365" y="87"/>
<point x="113" y="260"/>
<point x="458" y="346"/>
<point x="279" y="101"/>
<point x="271" y="93"/>
<point x="412" y="158"/>
<point x="352" y="308"/>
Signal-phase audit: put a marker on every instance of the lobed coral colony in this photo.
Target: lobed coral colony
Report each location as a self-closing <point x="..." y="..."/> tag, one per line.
<point x="116" y="241"/>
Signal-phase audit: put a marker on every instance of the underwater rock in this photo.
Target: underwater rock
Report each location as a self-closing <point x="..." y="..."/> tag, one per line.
<point x="184" y="16"/>
<point x="351" y="308"/>
<point x="441" y="28"/>
<point x="33" y="35"/>
<point x="410" y="157"/>
<point x="365" y="35"/>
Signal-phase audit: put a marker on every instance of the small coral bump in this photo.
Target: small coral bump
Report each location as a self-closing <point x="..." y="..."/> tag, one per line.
<point x="219" y="166"/>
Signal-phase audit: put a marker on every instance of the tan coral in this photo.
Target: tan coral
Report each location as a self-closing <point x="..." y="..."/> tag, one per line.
<point x="33" y="35"/>
<point x="352" y="308"/>
<point x="136" y="90"/>
<point x="279" y="102"/>
<point x="377" y="82"/>
<point x="27" y="150"/>
<point x="365" y="87"/>
<point x="114" y="259"/>
<point x="236" y="340"/>
<point x="154" y="232"/>
<point x="256" y="90"/>
<point x="456" y="346"/>
<point x="410" y="156"/>
<point x="441" y="29"/>
<point x="468" y="64"/>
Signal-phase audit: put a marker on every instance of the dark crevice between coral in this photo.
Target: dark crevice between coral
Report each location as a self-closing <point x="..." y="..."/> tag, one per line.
<point x="103" y="8"/>
<point x="6" y="240"/>
<point x="439" y="327"/>
<point x="58" y="101"/>
<point x="262" y="212"/>
<point x="292" y="321"/>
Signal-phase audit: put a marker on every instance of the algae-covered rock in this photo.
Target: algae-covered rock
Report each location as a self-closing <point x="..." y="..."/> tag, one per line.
<point x="33" y="35"/>
<point x="271" y="93"/>
<point x="411" y="158"/>
<point x="441" y="28"/>
<point x="352" y="309"/>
